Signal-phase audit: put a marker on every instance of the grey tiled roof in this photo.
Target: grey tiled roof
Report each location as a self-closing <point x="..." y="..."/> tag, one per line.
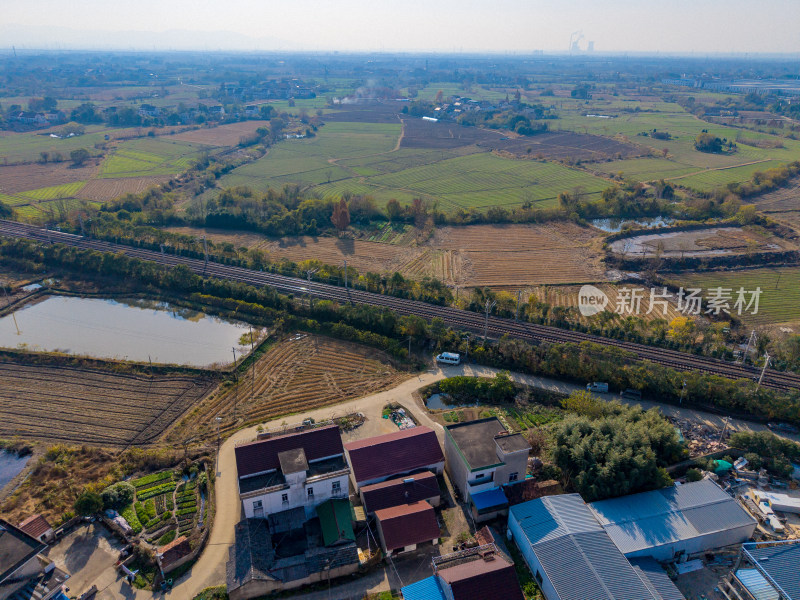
<point x="652" y="519"/>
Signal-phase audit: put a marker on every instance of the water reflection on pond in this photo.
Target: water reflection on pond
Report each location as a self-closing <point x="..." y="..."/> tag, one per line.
<point x="443" y="402"/>
<point x="130" y="329"/>
<point x="10" y="466"/>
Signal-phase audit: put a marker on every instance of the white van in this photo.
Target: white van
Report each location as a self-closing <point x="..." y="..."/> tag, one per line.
<point x="449" y="358"/>
<point x="601" y="388"/>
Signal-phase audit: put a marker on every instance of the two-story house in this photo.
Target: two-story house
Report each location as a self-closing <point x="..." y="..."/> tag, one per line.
<point x="391" y="455"/>
<point x="481" y="456"/>
<point x="295" y="470"/>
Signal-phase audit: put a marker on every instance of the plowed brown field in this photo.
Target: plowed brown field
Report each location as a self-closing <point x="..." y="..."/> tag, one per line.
<point x="300" y="373"/>
<point x="109" y="189"/>
<point x="92" y="407"/>
<point x="21" y="178"/>
<point x="224" y="135"/>
<point x="503" y="256"/>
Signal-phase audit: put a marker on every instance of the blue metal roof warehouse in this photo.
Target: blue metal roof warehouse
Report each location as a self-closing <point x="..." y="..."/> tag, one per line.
<point x="776" y="572"/>
<point x="573" y="558"/>
<point x="664" y="523"/>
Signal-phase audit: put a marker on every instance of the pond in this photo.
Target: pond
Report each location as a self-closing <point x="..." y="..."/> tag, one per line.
<point x="137" y="330"/>
<point x="11" y="465"/>
<point x="616" y="225"/>
<point x="440" y="402"/>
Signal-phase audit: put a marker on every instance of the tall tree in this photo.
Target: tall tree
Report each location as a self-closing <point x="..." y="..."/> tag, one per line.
<point x="341" y="216"/>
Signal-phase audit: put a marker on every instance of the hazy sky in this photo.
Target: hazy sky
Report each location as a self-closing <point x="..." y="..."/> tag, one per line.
<point x="668" y="26"/>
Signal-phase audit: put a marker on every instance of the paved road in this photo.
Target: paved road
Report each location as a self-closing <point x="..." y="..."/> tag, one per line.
<point x="210" y="568"/>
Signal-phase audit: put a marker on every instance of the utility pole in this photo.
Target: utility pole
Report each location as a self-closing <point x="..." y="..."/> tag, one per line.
<point x="409" y="346"/>
<point x="490" y="304"/>
<point x="205" y="251"/>
<point x="83" y="232"/>
<point x="519" y="296"/>
<point x="236" y="384"/>
<point x="162" y="249"/>
<point x="764" y="369"/>
<point x="253" y="366"/>
<point x="345" y="274"/>
<point x="309" y="273"/>
<point x="683" y="391"/>
<point x="750" y="340"/>
<point x="218" y="419"/>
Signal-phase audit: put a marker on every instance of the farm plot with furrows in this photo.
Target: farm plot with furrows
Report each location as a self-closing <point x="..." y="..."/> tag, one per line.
<point x="102" y="190"/>
<point x="364" y="255"/>
<point x="21" y="178"/>
<point x="780" y="292"/>
<point x="566" y="145"/>
<point x="293" y="376"/>
<point x="517" y="255"/>
<point x="65" y="190"/>
<point x="149" y="157"/>
<point x="89" y="406"/>
<point x="224" y="135"/>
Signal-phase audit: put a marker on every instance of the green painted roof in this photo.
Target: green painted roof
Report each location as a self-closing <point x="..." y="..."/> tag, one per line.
<point x="336" y="519"/>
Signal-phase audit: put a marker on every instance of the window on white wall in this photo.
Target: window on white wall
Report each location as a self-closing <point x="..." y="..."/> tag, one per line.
<point x="258" y="504"/>
<point x="285" y="498"/>
<point x="336" y="487"/>
<point x="311" y="492"/>
<point x="513" y="476"/>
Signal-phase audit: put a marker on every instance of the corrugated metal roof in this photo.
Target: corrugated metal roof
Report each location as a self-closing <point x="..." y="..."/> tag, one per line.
<point x="554" y="516"/>
<point x="652" y="519"/>
<point x="576" y="553"/>
<point x="780" y="565"/>
<point x="757" y="585"/>
<point x="427" y="589"/>
<point x="654" y="575"/>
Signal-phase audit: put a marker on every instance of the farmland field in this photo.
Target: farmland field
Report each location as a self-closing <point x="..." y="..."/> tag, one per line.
<point x="21" y="178"/>
<point x="498" y="256"/>
<point x="108" y="189"/>
<point x="298" y="374"/>
<point x="514" y="256"/>
<point x="91" y="406"/>
<point x="443" y="162"/>
<point x="149" y="157"/>
<point x="780" y="296"/>
<point x="224" y="135"/>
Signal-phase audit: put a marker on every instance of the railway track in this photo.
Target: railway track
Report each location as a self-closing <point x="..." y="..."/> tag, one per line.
<point x="453" y="317"/>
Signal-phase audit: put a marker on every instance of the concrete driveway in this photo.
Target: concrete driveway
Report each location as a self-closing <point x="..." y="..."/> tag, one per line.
<point x="88" y="554"/>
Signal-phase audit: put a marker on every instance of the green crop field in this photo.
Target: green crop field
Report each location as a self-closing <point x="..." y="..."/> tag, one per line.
<point x="148" y="157"/>
<point x="361" y="158"/>
<point x="66" y="190"/>
<point x="26" y="147"/>
<point x="683" y="164"/>
<point x="780" y="291"/>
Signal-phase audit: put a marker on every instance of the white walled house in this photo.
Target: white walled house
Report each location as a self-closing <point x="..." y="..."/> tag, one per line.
<point x="289" y="471"/>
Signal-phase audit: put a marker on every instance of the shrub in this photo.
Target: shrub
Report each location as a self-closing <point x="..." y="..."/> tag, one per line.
<point x="88" y="503"/>
<point x="118" y="495"/>
<point x="693" y="475"/>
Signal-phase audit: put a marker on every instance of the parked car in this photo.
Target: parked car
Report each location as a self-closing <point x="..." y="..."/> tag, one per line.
<point x="631" y="394"/>
<point x="601" y="388"/>
<point x="449" y="358"/>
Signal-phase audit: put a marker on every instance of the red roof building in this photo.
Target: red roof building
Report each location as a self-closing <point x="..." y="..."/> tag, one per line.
<point x="403" y="490"/>
<point x="490" y="578"/>
<point x="261" y="456"/>
<point x="376" y="459"/>
<point x="402" y="528"/>
<point x="37" y="527"/>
